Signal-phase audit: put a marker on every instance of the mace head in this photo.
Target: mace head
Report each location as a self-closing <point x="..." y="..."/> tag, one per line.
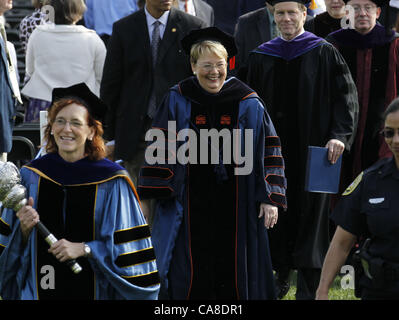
<point x="12" y="193"/>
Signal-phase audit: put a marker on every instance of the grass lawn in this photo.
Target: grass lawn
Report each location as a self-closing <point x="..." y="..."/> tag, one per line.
<point x="335" y="293"/>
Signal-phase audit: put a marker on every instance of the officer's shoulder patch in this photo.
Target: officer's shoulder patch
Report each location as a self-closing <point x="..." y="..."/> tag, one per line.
<point x="353" y="185"/>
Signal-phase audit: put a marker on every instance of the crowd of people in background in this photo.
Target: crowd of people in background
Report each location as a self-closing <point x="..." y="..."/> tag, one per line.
<point x="298" y="73"/>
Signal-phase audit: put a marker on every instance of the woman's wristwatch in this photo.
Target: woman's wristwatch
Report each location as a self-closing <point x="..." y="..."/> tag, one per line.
<point x="87" y="250"/>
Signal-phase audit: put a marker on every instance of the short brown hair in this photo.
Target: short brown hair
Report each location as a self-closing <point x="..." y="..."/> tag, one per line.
<point x="37" y="3"/>
<point x="95" y="149"/>
<point x="67" y="11"/>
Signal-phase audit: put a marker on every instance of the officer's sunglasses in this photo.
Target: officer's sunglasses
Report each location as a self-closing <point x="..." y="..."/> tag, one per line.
<point x="388" y="133"/>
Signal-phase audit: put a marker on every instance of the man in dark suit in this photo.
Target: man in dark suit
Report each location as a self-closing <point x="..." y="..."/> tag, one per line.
<point x="134" y="82"/>
<point x="253" y="29"/>
<point x="198" y="8"/>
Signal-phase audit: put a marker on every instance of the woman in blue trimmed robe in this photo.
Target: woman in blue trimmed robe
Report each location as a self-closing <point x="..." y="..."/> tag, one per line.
<point x="86" y="201"/>
<point x="210" y="221"/>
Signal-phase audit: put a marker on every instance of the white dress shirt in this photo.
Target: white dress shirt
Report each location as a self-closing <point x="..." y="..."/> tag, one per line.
<point x="150" y="22"/>
<point x="302" y="32"/>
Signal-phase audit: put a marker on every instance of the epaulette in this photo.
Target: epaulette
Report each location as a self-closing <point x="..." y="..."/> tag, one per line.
<point x="376" y="166"/>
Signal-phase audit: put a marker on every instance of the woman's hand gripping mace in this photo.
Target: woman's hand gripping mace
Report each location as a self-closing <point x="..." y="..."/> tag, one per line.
<point x="13" y="196"/>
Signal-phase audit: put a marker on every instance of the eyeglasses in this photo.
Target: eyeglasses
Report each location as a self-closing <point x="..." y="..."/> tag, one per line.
<point x="368" y="8"/>
<point x="209" y="67"/>
<point x="388" y="133"/>
<point x="61" y="123"/>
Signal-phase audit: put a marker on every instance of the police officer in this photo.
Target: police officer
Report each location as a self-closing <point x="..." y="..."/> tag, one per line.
<point x="369" y="208"/>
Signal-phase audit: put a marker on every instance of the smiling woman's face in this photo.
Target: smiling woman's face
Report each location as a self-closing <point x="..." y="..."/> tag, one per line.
<point x="392" y="125"/>
<point x="71" y="132"/>
<point x="211" y="71"/>
<point x="335" y="8"/>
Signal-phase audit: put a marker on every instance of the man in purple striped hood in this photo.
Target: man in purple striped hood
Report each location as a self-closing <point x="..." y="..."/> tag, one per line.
<point x="311" y="97"/>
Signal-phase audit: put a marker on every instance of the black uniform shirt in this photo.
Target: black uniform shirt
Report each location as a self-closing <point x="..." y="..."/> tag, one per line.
<point x="369" y="207"/>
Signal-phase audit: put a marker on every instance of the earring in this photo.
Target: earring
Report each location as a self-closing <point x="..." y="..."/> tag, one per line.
<point x="194" y="73"/>
<point x="52" y="133"/>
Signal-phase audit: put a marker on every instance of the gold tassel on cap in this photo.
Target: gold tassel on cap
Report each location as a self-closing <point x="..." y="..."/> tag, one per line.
<point x="313" y="5"/>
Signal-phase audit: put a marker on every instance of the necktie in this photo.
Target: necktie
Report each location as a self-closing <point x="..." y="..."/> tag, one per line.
<point x="155" y="41"/>
<point x="186" y="5"/>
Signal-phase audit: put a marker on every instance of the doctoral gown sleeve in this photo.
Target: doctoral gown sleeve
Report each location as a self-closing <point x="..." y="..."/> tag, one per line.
<point x="163" y="177"/>
<point x="268" y="160"/>
<point x="10" y="255"/>
<point x="123" y="255"/>
<point x="345" y="104"/>
<point x="15" y="258"/>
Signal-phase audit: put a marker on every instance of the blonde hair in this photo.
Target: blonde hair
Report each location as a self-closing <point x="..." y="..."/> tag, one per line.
<point x="302" y="7"/>
<point x="207" y="46"/>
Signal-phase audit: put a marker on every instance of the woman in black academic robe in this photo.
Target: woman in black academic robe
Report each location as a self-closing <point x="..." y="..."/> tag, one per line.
<point x="208" y="237"/>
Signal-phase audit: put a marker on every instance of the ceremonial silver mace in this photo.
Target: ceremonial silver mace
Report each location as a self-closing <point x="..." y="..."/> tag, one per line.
<point x="13" y="196"/>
